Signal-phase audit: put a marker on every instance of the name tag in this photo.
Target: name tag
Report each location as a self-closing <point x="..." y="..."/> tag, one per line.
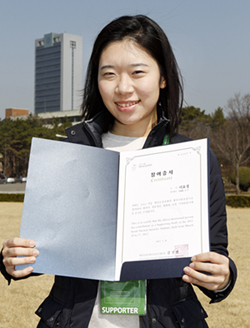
<point x="123" y="297"/>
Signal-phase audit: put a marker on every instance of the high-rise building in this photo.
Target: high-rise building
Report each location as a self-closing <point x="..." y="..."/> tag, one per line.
<point x="58" y="72"/>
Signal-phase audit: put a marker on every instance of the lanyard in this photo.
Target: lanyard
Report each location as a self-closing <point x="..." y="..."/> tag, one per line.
<point x="166" y="139"/>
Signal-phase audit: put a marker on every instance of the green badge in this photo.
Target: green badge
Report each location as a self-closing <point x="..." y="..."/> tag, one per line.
<point x="123" y="297"/>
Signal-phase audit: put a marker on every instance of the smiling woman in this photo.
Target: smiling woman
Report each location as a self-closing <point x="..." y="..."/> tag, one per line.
<point x="132" y="100"/>
<point x="129" y="82"/>
<point x="138" y="38"/>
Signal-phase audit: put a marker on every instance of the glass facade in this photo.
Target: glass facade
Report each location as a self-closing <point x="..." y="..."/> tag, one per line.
<point x="47" y="77"/>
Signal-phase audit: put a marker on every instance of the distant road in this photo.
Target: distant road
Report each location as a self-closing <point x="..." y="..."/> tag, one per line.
<point x="13" y="187"/>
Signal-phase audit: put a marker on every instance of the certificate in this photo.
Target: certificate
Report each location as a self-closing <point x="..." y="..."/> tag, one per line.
<point x="100" y="214"/>
<point x="163" y="204"/>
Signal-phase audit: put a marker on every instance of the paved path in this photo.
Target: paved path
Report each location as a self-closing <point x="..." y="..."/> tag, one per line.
<point x="13" y="187"/>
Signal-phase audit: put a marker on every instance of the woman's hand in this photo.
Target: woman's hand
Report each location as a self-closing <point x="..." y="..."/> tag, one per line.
<point x="14" y="247"/>
<point x="215" y="265"/>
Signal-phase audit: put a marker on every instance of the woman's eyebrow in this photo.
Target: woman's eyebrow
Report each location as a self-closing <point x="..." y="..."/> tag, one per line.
<point x="132" y="65"/>
<point x="106" y="66"/>
<point x="138" y="64"/>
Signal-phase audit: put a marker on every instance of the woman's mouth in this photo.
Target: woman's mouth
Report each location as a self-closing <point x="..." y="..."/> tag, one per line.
<point x="127" y="104"/>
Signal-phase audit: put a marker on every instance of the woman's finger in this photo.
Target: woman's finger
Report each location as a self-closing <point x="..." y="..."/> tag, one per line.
<point x="19" y="251"/>
<point x="19" y="273"/>
<point x="19" y="242"/>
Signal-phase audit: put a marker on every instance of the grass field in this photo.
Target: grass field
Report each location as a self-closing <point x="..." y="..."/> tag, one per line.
<point x="20" y="300"/>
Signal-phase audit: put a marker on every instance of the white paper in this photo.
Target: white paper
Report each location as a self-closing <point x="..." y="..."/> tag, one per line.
<point x="163" y="203"/>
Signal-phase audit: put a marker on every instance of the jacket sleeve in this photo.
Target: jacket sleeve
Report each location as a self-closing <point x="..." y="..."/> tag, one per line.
<point x="218" y="226"/>
<point x="3" y="270"/>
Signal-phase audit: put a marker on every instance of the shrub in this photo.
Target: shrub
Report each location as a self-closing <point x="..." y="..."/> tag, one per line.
<point x="238" y="201"/>
<point x="11" y="197"/>
<point x="244" y="176"/>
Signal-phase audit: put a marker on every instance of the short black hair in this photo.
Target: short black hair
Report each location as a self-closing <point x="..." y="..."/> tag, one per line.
<point x="151" y="38"/>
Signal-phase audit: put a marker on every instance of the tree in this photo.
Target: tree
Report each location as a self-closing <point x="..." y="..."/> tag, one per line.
<point x="232" y="138"/>
<point x="15" y="141"/>
<point x="195" y="123"/>
<point x="217" y="118"/>
<point x="244" y="177"/>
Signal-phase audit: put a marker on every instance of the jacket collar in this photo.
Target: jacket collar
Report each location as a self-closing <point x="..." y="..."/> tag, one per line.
<point x="90" y="132"/>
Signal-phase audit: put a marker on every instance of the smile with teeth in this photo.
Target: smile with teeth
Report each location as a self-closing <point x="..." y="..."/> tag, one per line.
<point x="128" y="104"/>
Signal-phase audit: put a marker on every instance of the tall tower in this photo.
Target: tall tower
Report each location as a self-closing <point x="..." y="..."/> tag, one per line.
<point x="58" y="72"/>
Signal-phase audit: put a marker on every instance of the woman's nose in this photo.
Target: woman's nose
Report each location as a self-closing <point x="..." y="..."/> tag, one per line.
<point x="124" y="85"/>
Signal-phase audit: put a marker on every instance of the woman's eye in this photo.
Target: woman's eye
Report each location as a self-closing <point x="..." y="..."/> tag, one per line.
<point x="138" y="72"/>
<point x="108" y="74"/>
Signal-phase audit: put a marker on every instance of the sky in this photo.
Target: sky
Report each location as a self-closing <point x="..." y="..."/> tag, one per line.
<point x="210" y="39"/>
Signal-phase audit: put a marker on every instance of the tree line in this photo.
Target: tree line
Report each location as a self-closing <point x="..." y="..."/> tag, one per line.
<point x="15" y="141"/>
<point x="229" y="133"/>
<point x="228" y="130"/>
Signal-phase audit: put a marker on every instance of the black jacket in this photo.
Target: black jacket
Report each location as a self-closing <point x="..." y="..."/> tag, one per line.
<point x="171" y="302"/>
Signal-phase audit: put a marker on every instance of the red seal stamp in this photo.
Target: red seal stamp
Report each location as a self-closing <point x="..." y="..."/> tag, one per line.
<point x="181" y="250"/>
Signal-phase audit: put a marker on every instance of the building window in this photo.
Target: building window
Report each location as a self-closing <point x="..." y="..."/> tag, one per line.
<point x="73" y="44"/>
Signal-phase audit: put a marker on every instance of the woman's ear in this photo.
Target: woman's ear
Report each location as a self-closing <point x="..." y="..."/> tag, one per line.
<point x="163" y="83"/>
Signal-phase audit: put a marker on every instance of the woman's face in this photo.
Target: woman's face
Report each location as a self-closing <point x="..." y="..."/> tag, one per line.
<point x="129" y="82"/>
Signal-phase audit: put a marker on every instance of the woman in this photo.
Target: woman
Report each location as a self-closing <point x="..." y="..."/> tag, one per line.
<point x="132" y="99"/>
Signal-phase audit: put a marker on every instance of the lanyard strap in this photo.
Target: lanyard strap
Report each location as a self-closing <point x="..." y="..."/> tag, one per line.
<point x="166" y="139"/>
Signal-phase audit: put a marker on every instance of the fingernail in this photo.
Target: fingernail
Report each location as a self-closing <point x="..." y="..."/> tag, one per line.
<point x="32" y="243"/>
<point x="191" y="265"/>
<point x="193" y="258"/>
<point x="32" y="260"/>
<point x="186" y="269"/>
<point x="30" y="270"/>
<point x="35" y="252"/>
